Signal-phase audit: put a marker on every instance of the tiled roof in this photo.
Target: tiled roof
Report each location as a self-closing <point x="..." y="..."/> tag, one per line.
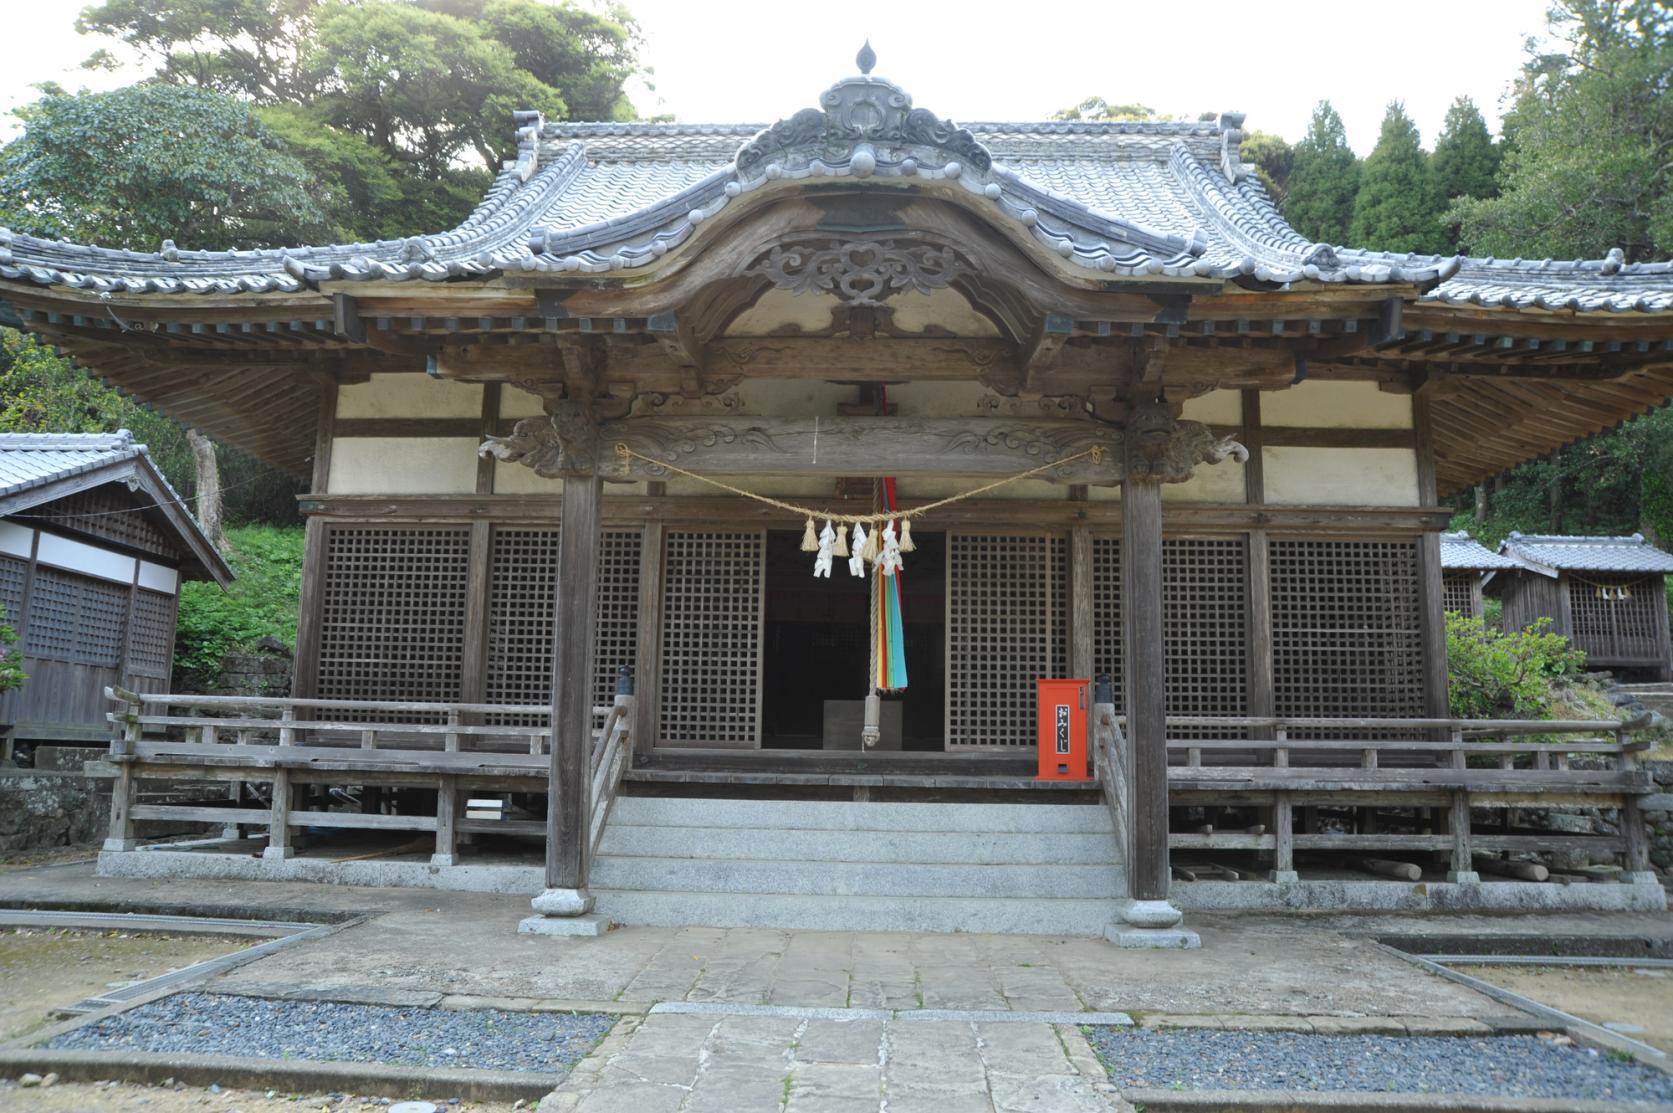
<point x="1169" y="200"/>
<point x="35" y="459"/>
<point x="41" y="462"/>
<point x="1550" y="554"/>
<point x="1462" y="553"/>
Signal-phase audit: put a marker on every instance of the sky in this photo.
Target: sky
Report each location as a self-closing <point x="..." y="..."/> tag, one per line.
<point x="980" y="60"/>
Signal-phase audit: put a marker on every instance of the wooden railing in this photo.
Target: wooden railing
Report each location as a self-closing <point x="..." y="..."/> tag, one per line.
<point x="1434" y="768"/>
<point x="1109" y="759"/>
<point x="283" y="742"/>
<point x="610" y="757"/>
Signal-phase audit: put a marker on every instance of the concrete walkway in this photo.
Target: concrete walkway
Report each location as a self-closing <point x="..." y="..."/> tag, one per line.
<point x="722" y="1064"/>
<point x="843" y="1037"/>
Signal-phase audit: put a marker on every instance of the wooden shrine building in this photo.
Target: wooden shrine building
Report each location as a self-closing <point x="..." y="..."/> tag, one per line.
<point x="1606" y="595"/>
<point x="1466" y="565"/>
<point x="94" y="544"/>
<point x="1187" y="448"/>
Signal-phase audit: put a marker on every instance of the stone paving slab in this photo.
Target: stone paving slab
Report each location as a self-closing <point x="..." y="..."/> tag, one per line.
<point x="694" y="1063"/>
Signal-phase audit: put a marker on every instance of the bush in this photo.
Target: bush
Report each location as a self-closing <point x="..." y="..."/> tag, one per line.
<point x="262" y="602"/>
<point x="1498" y="675"/>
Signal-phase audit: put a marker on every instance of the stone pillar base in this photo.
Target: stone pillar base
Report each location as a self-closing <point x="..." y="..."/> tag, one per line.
<point x="1640" y="877"/>
<point x="591" y="924"/>
<point x="279" y="853"/>
<point x="1463" y="877"/>
<point x="231" y="833"/>
<point x="563" y="902"/>
<point x="1151" y="925"/>
<point x="121" y="844"/>
<point x="441" y="859"/>
<point x="1281" y="876"/>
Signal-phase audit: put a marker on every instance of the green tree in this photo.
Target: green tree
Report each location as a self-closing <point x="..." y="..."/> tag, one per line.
<point x="1274" y="161"/>
<point x="1324" y="178"/>
<point x="1589" y="159"/>
<point x="414" y="92"/>
<point x="135" y="166"/>
<point x="1398" y="207"/>
<point x="1466" y="161"/>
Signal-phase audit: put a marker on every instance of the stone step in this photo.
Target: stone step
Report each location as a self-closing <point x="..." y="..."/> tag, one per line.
<point x="847" y="879"/>
<point x="986" y="915"/>
<point x="827" y="845"/>
<point x="790" y="815"/>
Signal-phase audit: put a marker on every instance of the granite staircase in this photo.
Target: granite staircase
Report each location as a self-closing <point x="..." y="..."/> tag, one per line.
<point x="834" y="866"/>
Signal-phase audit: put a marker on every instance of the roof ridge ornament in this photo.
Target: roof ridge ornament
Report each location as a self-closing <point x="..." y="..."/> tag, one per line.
<point x="869" y="116"/>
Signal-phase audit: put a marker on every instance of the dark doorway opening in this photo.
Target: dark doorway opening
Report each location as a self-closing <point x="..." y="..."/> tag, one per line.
<point x="818" y="650"/>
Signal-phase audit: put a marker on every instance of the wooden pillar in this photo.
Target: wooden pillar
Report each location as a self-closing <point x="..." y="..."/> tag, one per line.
<point x="648" y="656"/>
<point x="567" y="808"/>
<point x="1431" y="604"/>
<point x="1081" y="650"/>
<point x="447" y="809"/>
<point x="1141" y="583"/>
<point x="305" y="674"/>
<point x="278" y="828"/>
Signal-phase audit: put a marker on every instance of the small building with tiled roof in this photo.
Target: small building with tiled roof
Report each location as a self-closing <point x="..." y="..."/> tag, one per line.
<point x="94" y="544"/>
<point x="1466" y="564"/>
<point x="1607" y="595"/>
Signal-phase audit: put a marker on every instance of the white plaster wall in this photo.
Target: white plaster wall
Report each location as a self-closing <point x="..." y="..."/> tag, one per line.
<point x="409" y="395"/>
<point x="783" y="311"/>
<point x="1218" y="483"/>
<point x="943" y="309"/>
<point x="403" y="466"/>
<point x="1317" y="404"/>
<point x="1217" y="407"/>
<point x="519" y="403"/>
<point x="1341" y="476"/>
<point x="792" y="397"/>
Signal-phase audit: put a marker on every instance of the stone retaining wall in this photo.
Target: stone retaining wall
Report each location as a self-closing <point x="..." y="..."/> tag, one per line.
<point x="1660" y="822"/>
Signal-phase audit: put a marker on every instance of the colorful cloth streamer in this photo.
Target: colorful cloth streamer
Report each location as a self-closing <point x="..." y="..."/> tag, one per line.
<point x="891" y="630"/>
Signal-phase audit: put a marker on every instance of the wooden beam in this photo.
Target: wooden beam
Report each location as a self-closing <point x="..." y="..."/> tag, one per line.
<point x="568" y="808"/>
<point x="346" y="320"/>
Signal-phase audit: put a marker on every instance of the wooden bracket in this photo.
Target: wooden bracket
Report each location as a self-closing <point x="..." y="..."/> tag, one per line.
<point x="347" y="323"/>
<point x="1041" y="351"/>
<point x="679" y="342"/>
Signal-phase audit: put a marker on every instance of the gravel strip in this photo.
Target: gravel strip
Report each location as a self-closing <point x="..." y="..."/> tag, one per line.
<point x="1503" y="1066"/>
<point x="213" y="1024"/>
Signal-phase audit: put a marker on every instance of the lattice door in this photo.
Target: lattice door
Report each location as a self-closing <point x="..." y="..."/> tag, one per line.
<point x="1205" y="627"/>
<point x="1205" y="622"/>
<point x="1456" y="595"/>
<point x="151" y="649"/>
<point x="521" y="598"/>
<point x="1346" y="638"/>
<point x="76" y="618"/>
<point x="712" y="609"/>
<point x="1614" y="616"/>
<point x="13" y="572"/>
<point x="1005" y="628"/>
<point x="392" y="613"/>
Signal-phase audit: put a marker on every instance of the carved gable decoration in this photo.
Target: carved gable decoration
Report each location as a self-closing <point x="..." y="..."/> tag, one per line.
<point x="860" y="272"/>
<point x="862" y="122"/>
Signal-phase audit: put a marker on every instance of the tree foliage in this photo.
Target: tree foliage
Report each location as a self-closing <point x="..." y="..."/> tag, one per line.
<point x="1324" y="177"/>
<point x="1398" y="207"/>
<point x="1274" y="161"/>
<point x="402" y="108"/>
<point x="1466" y="160"/>
<point x="135" y="166"/>
<point x="1493" y="674"/>
<point x="260" y="604"/>
<point x="1589" y="164"/>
